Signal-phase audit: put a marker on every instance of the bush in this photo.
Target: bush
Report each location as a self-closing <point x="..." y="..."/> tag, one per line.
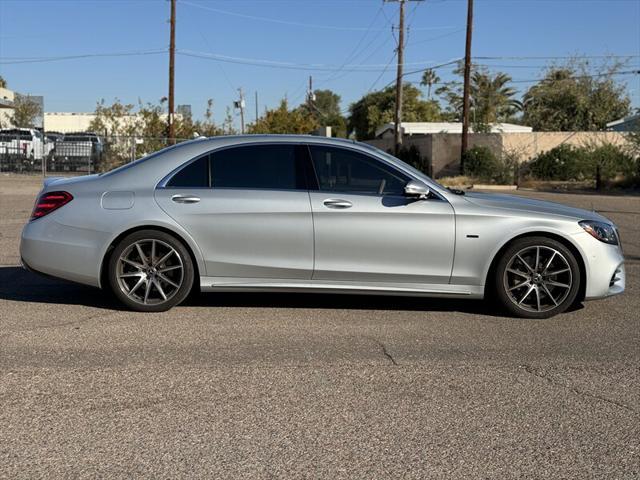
<point x="560" y="163"/>
<point x="613" y="161"/>
<point x="566" y="163"/>
<point x="482" y="164"/>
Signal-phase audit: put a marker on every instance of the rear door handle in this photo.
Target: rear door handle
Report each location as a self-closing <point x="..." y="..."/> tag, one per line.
<point x="185" y="199"/>
<point x="337" y="203"/>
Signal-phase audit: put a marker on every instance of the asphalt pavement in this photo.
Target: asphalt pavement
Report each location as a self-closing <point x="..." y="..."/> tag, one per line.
<point x="313" y="386"/>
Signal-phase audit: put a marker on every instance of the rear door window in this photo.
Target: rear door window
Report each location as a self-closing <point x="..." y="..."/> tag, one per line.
<point x="274" y="167"/>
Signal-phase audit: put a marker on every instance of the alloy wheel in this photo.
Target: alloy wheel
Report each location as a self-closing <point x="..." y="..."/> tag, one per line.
<point x="538" y="278"/>
<point x="150" y="272"/>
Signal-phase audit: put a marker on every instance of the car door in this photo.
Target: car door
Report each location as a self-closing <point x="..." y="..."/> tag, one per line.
<point x="248" y="209"/>
<point x="367" y="230"/>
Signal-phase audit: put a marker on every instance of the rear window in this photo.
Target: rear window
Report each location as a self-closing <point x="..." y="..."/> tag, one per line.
<point x="194" y="175"/>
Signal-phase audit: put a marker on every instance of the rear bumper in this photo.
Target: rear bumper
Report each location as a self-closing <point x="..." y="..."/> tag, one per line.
<point x="57" y="250"/>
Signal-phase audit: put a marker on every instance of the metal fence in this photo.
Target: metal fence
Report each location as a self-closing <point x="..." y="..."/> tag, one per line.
<point x="33" y="151"/>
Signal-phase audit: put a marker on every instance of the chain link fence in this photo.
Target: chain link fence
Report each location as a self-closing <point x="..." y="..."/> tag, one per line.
<point x="31" y="151"/>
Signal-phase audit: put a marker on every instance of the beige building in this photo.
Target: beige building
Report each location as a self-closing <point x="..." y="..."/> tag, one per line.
<point x="7" y="97"/>
<point x="67" y="122"/>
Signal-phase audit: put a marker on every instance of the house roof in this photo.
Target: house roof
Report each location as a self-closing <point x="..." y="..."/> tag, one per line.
<point x="630" y="119"/>
<point x="424" y="128"/>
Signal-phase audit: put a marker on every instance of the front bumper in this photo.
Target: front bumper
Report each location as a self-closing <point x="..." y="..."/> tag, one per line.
<point x="604" y="267"/>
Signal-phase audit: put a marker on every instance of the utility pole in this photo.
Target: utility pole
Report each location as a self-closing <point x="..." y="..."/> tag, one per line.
<point x="400" y="64"/>
<point x="172" y="60"/>
<point x="256" y="106"/>
<point x="240" y="105"/>
<point x="310" y="95"/>
<point x="467" y="88"/>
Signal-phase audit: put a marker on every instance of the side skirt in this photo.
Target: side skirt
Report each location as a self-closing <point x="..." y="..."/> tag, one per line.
<point x="226" y="284"/>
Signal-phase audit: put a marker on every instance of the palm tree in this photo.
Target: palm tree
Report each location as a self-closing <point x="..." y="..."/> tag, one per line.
<point x="429" y="78"/>
<point x="492" y="97"/>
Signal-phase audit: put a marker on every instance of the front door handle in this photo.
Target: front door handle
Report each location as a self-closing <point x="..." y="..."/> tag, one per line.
<point x="185" y="199"/>
<point x="337" y="203"/>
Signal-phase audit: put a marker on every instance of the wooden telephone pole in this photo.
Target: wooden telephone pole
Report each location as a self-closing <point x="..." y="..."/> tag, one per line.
<point x="400" y="64"/>
<point x="467" y="88"/>
<point x="172" y="59"/>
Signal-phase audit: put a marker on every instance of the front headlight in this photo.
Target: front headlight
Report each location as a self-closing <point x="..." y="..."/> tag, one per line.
<point x="602" y="231"/>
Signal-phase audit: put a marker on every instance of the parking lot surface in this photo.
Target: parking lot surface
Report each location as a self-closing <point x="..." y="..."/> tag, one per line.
<point x="313" y="386"/>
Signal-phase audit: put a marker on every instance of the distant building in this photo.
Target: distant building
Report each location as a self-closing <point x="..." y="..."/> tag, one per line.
<point x="426" y="128"/>
<point x="626" y="124"/>
<point x="7" y="98"/>
<point x="68" y="122"/>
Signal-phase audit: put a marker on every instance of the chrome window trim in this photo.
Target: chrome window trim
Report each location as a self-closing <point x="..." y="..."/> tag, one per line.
<point x="162" y="184"/>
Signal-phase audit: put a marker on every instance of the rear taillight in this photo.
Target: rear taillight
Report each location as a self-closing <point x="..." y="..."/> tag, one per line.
<point x="50" y="201"/>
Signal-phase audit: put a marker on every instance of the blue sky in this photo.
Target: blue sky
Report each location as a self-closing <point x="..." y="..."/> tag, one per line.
<point x="329" y="34"/>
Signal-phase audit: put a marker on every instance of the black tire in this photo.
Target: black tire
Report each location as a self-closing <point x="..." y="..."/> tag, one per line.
<point x="549" y="292"/>
<point x="179" y="265"/>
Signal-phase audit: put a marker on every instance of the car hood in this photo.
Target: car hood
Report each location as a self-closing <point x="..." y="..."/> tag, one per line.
<point x="522" y="204"/>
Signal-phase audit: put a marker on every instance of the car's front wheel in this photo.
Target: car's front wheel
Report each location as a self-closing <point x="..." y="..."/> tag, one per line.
<point x="537" y="277"/>
<point x="150" y="271"/>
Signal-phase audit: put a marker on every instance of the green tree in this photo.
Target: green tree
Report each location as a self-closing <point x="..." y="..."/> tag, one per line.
<point x="429" y="79"/>
<point x="325" y="109"/>
<point x="377" y="108"/>
<point x="25" y="111"/>
<point x="3" y="82"/>
<point x="282" y="120"/>
<point x="570" y="98"/>
<point x="491" y="98"/>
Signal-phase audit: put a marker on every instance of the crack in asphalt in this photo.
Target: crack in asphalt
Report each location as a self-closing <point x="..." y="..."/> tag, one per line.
<point x="386" y="353"/>
<point x="581" y="393"/>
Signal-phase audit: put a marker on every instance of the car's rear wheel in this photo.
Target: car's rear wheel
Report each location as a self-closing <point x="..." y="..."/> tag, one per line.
<point x="537" y="277"/>
<point x="150" y="271"/>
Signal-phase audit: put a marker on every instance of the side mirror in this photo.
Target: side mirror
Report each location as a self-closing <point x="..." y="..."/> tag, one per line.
<point x="416" y="190"/>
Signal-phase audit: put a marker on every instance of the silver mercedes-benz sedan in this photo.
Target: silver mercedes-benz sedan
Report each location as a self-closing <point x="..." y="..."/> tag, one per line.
<point x="300" y="213"/>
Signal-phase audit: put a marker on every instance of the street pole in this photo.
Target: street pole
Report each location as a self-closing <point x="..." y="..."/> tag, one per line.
<point x="398" y="113"/>
<point x="400" y="65"/>
<point x="310" y="94"/>
<point x="467" y="89"/>
<point x="172" y="59"/>
<point x="241" y="105"/>
<point x="256" y="106"/>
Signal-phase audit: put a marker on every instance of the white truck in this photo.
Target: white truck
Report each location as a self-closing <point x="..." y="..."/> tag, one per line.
<point x="77" y="151"/>
<point x="23" y="148"/>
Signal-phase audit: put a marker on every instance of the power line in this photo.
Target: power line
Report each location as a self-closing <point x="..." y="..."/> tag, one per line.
<point x="289" y="22"/>
<point x="20" y="60"/>
<point x="537" y="80"/>
<point x="352" y="55"/>
<point x="289" y="65"/>
<point x="381" y="73"/>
